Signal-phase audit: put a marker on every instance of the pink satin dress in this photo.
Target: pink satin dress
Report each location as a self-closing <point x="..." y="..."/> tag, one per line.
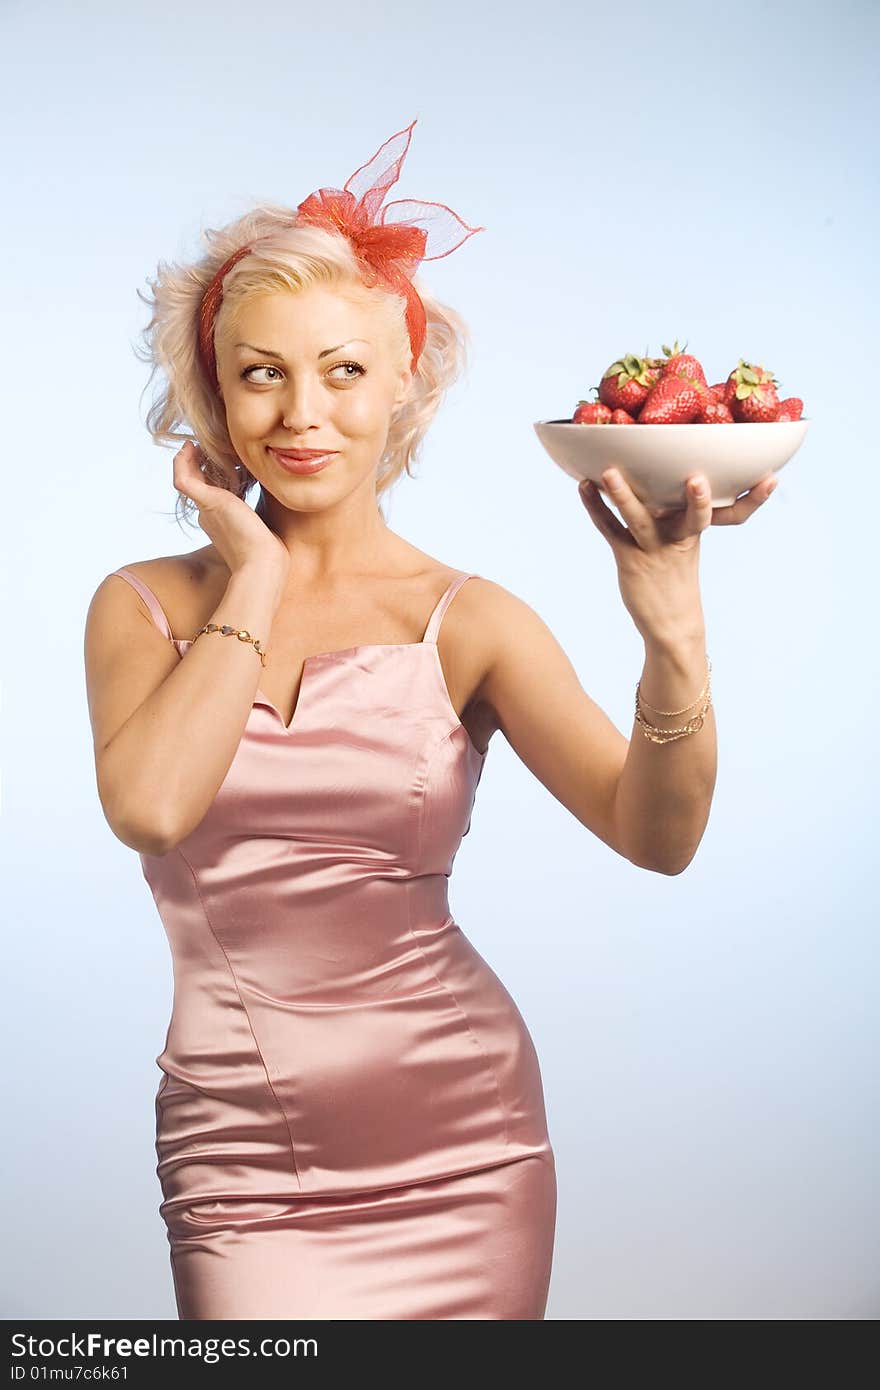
<point x="350" y="1123"/>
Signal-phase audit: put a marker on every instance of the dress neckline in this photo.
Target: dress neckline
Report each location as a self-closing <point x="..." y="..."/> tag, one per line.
<point x="428" y="642"/>
<point x="261" y="698"/>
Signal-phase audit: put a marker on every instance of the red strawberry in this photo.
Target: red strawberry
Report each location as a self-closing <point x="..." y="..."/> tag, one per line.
<point x="675" y="400"/>
<point x="728" y="389"/>
<point x="790" y="409"/>
<point x="714" y="412"/>
<point x="706" y="394"/>
<point x="626" y="383"/>
<point x="591" y="413"/>
<point x="679" y="362"/>
<point x="754" y="400"/>
<point x="621" y="417"/>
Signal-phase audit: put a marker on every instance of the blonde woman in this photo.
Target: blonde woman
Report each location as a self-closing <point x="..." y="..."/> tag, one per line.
<point x="290" y="724"/>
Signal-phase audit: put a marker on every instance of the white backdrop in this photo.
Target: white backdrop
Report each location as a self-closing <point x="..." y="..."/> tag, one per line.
<point x="708" y="1042"/>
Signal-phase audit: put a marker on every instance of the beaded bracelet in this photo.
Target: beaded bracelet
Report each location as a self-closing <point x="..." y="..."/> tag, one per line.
<point x="240" y="632"/>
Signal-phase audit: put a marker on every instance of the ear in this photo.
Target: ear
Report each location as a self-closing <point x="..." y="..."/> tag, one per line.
<point x="403" y="388"/>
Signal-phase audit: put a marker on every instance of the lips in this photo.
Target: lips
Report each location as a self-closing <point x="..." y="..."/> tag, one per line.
<point x="302" y="461"/>
<point x="301" y="454"/>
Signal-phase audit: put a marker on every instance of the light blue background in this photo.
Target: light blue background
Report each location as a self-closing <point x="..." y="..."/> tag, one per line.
<point x="708" y="1042"/>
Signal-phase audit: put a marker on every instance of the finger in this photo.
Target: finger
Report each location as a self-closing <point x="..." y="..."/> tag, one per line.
<point x="746" y="505"/>
<point x="639" y="521"/>
<point x="699" y="508"/>
<point x="602" y="515"/>
<point x="188" y="476"/>
<point x="185" y="466"/>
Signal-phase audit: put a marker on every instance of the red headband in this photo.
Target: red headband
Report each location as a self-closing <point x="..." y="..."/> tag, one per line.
<point x="388" y="250"/>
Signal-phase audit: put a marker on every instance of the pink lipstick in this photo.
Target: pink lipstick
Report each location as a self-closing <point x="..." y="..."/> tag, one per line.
<point x="302" y="460"/>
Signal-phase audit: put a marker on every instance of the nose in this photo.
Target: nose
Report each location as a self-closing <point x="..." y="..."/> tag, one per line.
<point x="302" y="406"/>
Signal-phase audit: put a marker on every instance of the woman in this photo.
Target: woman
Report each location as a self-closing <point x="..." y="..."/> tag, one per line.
<point x="351" y="1122"/>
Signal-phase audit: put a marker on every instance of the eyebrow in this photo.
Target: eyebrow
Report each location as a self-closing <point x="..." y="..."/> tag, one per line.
<point x="267" y="352"/>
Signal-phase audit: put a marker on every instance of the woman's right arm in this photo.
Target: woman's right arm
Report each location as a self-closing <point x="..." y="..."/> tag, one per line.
<point x="166" y="729"/>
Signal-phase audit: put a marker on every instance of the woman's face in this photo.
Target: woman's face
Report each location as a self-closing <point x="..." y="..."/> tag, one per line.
<point x="310" y="370"/>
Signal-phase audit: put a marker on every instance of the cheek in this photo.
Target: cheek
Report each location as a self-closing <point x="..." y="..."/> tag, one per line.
<point x="363" y="413"/>
<point x="249" y="414"/>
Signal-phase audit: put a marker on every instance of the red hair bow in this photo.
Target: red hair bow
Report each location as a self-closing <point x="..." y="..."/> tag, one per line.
<point x="389" y="249"/>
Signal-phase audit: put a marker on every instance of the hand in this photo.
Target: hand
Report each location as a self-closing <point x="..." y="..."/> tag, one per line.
<point x="657" y="552"/>
<point x="241" y="537"/>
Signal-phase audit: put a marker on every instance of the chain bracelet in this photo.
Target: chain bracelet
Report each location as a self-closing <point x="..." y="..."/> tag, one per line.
<point x="670" y="712"/>
<point x="240" y="632"/>
<point x="695" y="723"/>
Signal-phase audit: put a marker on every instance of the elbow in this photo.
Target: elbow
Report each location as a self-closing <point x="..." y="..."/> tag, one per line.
<point x="154" y="846"/>
<point x="145" y="834"/>
<point x="678" y="869"/>
<point x="135" y="815"/>
<point x="672" y="868"/>
<point x="143" y="838"/>
<point x="668" y="867"/>
<point x="670" y="860"/>
<point x="667" y="870"/>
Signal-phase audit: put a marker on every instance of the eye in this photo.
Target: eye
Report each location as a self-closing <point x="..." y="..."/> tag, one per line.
<point x="357" y="366"/>
<point x="358" y="371"/>
<point x="246" y="374"/>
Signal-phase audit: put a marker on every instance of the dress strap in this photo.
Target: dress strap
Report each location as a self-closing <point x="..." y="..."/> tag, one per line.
<point x="446" y="598"/>
<point x="149" y="598"/>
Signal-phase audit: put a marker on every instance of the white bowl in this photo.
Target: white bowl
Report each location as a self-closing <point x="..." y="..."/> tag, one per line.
<point x="657" y="460"/>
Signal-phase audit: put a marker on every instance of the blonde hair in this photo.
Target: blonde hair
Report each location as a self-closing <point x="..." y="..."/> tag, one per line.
<point x="285" y="259"/>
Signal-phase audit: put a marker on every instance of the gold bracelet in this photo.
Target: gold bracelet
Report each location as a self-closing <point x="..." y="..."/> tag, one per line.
<point x="670" y="712"/>
<point x="240" y="632"/>
<point x="669" y="735"/>
<point x="695" y="723"/>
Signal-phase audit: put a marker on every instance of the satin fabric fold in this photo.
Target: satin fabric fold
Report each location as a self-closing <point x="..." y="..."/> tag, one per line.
<point x="350" y="1121"/>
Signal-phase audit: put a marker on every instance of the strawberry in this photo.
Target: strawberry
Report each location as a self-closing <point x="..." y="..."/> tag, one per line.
<point x="591" y="413"/>
<point x="673" y="390"/>
<point x="754" y="400"/>
<point x="679" y="362"/>
<point x="626" y="383"/>
<point x="675" y="400"/>
<point x="728" y="389"/>
<point x="714" y="412"/>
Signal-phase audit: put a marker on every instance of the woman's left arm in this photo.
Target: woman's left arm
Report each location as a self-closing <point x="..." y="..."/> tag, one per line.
<point x="665" y="790"/>
<point x="648" y="800"/>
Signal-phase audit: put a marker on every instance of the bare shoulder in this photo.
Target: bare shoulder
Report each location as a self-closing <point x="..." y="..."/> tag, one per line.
<point x="163" y="570"/>
<point x="118" y="617"/>
<point x="178" y="582"/>
<point x="492" y="597"/>
<point x="509" y="644"/>
<point x="531" y="692"/>
<point x="487" y="635"/>
<point x="498" y="617"/>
